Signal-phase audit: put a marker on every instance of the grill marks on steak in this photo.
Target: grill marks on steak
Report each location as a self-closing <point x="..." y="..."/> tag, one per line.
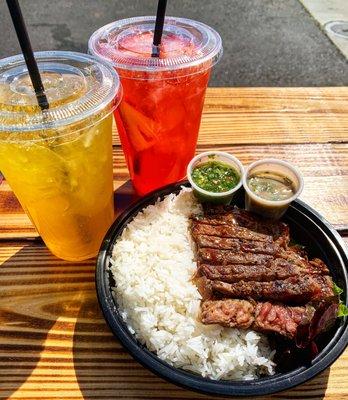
<point x="237" y="245"/>
<point x="227" y="231"/>
<point x="215" y="256"/>
<point x="278" y="230"/>
<point x="295" y="290"/>
<point x="246" y="269"/>
<point x="247" y="257"/>
<point x="263" y="317"/>
<point x="217" y="215"/>
<point x="274" y="269"/>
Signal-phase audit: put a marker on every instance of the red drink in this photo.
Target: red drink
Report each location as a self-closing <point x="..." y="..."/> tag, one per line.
<point x="159" y="117"/>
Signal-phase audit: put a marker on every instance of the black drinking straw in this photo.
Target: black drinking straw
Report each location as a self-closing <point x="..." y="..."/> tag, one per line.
<point x="24" y="41"/>
<point x="161" y="12"/>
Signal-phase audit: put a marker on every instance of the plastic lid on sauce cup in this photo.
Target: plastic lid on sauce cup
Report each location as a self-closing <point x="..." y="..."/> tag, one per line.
<point x="271" y="208"/>
<point x="215" y="197"/>
<point x="186" y="44"/>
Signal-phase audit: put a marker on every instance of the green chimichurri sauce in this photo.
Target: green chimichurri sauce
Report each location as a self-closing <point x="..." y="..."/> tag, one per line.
<point x="215" y="176"/>
<point x="271" y="186"/>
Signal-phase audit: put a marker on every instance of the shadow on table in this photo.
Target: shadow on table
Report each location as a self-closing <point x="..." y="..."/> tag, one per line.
<point x="36" y="294"/>
<point x="124" y="196"/>
<point x="104" y="370"/>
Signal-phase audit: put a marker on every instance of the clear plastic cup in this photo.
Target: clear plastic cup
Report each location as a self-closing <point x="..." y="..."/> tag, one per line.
<point x="59" y="162"/>
<point x="159" y="117"/>
<point x="273" y="209"/>
<point x="220" y="156"/>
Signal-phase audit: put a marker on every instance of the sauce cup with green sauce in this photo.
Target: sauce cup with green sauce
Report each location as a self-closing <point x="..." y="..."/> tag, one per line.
<point x="270" y="186"/>
<point x="215" y="176"/>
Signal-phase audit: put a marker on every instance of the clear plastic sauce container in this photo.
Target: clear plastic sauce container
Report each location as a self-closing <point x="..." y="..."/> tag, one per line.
<point x="270" y="186"/>
<point x="216" y="180"/>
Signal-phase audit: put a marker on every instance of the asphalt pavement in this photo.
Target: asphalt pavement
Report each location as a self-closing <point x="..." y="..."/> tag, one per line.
<point x="266" y="42"/>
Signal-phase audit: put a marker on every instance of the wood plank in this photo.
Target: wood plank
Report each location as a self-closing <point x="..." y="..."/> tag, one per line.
<point x="273" y="115"/>
<point x="329" y="100"/>
<point x="54" y="343"/>
<point x="324" y="167"/>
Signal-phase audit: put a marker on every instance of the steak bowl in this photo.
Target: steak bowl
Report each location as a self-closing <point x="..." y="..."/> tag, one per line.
<point x="309" y="229"/>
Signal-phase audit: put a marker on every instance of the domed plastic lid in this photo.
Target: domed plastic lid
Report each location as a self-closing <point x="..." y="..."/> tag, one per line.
<point x="77" y="87"/>
<point x="185" y="43"/>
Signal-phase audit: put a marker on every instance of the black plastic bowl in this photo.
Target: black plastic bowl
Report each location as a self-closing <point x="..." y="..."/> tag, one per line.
<point x="308" y="228"/>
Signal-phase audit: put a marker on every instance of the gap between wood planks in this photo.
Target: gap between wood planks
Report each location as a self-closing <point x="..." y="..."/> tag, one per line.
<point x="203" y="146"/>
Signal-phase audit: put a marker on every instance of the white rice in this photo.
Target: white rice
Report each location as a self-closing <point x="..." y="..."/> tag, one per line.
<point x="153" y="263"/>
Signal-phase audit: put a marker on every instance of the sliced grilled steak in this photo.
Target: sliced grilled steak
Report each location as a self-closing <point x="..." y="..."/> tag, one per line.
<point x="204" y="287"/>
<point x="231" y="313"/>
<point x="275" y="269"/>
<point x="227" y="231"/>
<point x="218" y="219"/>
<point x="278" y="230"/>
<point x="281" y="319"/>
<point x="215" y="256"/>
<point x="298" y="289"/>
<point x="319" y="266"/>
<point x="263" y="317"/>
<point x="293" y="257"/>
<point x="236" y="272"/>
<point x="225" y="215"/>
<point x="235" y="245"/>
<point x="249" y="259"/>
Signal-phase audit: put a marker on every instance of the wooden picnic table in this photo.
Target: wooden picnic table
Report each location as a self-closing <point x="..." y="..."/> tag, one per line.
<point x="54" y="342"/>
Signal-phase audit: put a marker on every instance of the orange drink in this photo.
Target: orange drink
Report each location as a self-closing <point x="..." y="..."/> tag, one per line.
<point x="59" y="162"/>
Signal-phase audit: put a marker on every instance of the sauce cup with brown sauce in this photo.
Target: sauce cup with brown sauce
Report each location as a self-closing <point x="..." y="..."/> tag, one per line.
<point x="270" y="186"/>
<point x="215" y="176"/>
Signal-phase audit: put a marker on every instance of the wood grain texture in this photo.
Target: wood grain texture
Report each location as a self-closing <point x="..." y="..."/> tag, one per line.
<point x="273" y="115"/>
<point x="54" y="343"/>
<point x="324" y="167"/>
